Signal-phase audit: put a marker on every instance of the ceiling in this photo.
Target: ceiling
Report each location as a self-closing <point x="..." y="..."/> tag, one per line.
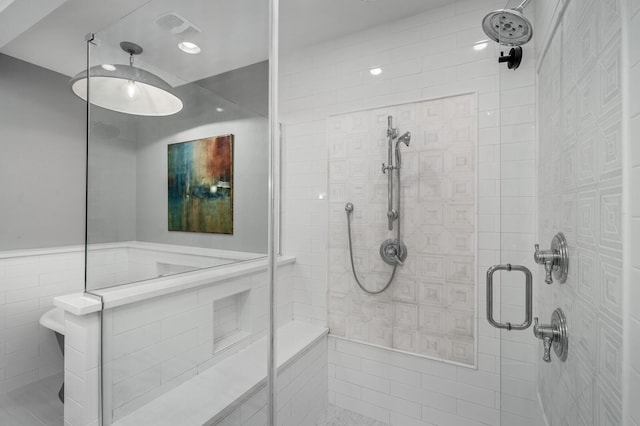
<point x="233" y="33"/>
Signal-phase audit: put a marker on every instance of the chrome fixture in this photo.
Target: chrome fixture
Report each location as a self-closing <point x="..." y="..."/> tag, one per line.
<point x="528" y="296"/>
<point x="508" y="27"/>
<point x="392" y="251"/>
<point x="556" y="260"/>
<point x="392" y="133"/>
<point x="553" y="335"/>
<point x="126" y="88"/>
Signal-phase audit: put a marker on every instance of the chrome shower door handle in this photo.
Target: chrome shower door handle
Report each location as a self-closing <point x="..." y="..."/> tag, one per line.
<point x="528" y="296"/>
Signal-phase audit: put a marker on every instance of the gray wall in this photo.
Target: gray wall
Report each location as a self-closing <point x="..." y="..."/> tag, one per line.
<point x="42" y="158"/>
<point x="250" y="187"/>
<point x="112" y="177"/>
<point x="42" y="166"/>
<point x="200" y="119"/>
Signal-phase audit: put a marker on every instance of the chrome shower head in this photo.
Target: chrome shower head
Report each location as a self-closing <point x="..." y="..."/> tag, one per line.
<point x="508" y="27"/>
<point x="405" y="139"/>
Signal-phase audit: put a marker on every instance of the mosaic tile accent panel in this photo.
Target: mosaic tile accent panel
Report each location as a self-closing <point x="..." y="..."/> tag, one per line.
<point x="429" y="309"/>
<point x="580" y="194"/>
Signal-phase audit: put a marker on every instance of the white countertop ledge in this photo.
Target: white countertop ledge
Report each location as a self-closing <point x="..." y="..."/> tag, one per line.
<point x="86" y="303"/>
<point x="78" y="303"/>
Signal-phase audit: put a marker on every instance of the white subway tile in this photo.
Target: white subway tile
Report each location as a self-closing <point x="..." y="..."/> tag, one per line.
<point x="438" y="417"/>
<point x="345" y="388"/>
<point x="424" y="397"/>
<point x="362" y="350"/>
<point x="345" y="360"/>
<point x="479" y="412"/>
<point x="136" y="339"/>
<point x="363" y="379"/>
<point x="398" y="419"/>
<point x="399" y="405"/>
<point x="363" y="408"/>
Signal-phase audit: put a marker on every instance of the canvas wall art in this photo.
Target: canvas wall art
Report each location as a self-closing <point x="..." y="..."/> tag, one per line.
<point x="200" y="179"/>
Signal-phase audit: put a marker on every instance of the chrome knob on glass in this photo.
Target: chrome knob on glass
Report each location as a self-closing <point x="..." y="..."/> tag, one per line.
<point x="555" y="260"/>
<point x="553" y="335"/>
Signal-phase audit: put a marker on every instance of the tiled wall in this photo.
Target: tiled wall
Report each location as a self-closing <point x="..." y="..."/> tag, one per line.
<point x="424" y="57"/>
<point x="151" y="347"/>
<point x="402" y="389"/>
<point x="580" y="194"/>
<point x="29" y="280"/>
<point x="632" y="225"/>
<point x="82" y="369"/>
<point x="301" y="393"/>
<point x="430" y="307"/>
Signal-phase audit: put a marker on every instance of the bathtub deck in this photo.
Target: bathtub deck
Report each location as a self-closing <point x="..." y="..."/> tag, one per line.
<point x="210" y="396"/>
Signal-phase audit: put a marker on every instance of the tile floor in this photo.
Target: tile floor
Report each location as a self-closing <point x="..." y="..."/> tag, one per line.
<point x="36" y="404"/>
<point x="336" y="416"/>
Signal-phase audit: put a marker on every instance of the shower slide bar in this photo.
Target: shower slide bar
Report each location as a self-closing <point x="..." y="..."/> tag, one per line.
<point x="528" y="296"/>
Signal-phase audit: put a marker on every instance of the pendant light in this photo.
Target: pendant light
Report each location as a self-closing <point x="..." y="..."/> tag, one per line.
<point x="127" y="89"/>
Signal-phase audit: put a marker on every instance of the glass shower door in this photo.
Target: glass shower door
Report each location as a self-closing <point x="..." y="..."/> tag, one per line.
<point x="516" y="157"/>
<point x="177" y="211"/>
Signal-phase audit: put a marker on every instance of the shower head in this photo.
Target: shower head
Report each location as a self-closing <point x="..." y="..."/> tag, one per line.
<point x="508" y="27"/>
<point x="405" y="139"/>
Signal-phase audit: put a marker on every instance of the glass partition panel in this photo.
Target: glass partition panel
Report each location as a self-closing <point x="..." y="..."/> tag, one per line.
<point x="177" y="163"/>
<point x="390" y="113"/>
<point x="177" y="185"/>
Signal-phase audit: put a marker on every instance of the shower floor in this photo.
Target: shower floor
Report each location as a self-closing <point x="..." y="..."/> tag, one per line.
<point x="35" y="404"/>
<point x="336" y="416"/>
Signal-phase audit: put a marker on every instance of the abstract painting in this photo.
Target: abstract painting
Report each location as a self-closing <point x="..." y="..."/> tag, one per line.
<point x="200" y="178"/>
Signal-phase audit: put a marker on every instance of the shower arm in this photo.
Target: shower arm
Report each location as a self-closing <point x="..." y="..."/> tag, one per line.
<point x="523" y="5"/>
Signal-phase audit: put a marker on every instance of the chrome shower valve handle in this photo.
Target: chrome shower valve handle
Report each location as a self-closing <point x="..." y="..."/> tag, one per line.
<point x="547" y="258"/>
<point x="555" y="260"/>
<point x="547" y="334"/>
<point x="553" y="335"/>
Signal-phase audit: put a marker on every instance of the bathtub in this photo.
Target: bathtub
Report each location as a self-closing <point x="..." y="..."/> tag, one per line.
<point x="181" y="333"/>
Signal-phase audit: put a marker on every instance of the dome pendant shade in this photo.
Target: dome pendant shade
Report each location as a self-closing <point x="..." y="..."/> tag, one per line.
<point x="127" y="89"/>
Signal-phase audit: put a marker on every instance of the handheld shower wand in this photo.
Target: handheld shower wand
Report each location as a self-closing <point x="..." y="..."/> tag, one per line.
<point x="392" y="251"/>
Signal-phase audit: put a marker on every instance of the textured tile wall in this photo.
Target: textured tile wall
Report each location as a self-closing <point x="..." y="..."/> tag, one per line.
<point x="633" y="224"/>
<point x="580" y="194"/>
<point x="430" y="307"/>
<point x="426" y="56"/>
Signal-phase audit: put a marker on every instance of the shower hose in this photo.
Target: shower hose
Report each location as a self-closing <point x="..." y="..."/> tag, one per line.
<point x="349" y="210"/>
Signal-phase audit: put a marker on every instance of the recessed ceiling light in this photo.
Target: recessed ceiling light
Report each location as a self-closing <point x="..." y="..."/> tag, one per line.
<point x="108" y="67"/>
<point x="375" y="71"/>
<point x="219" y="109"/>
<point x="188" y="47"/>
<point x="480" y="45"/>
